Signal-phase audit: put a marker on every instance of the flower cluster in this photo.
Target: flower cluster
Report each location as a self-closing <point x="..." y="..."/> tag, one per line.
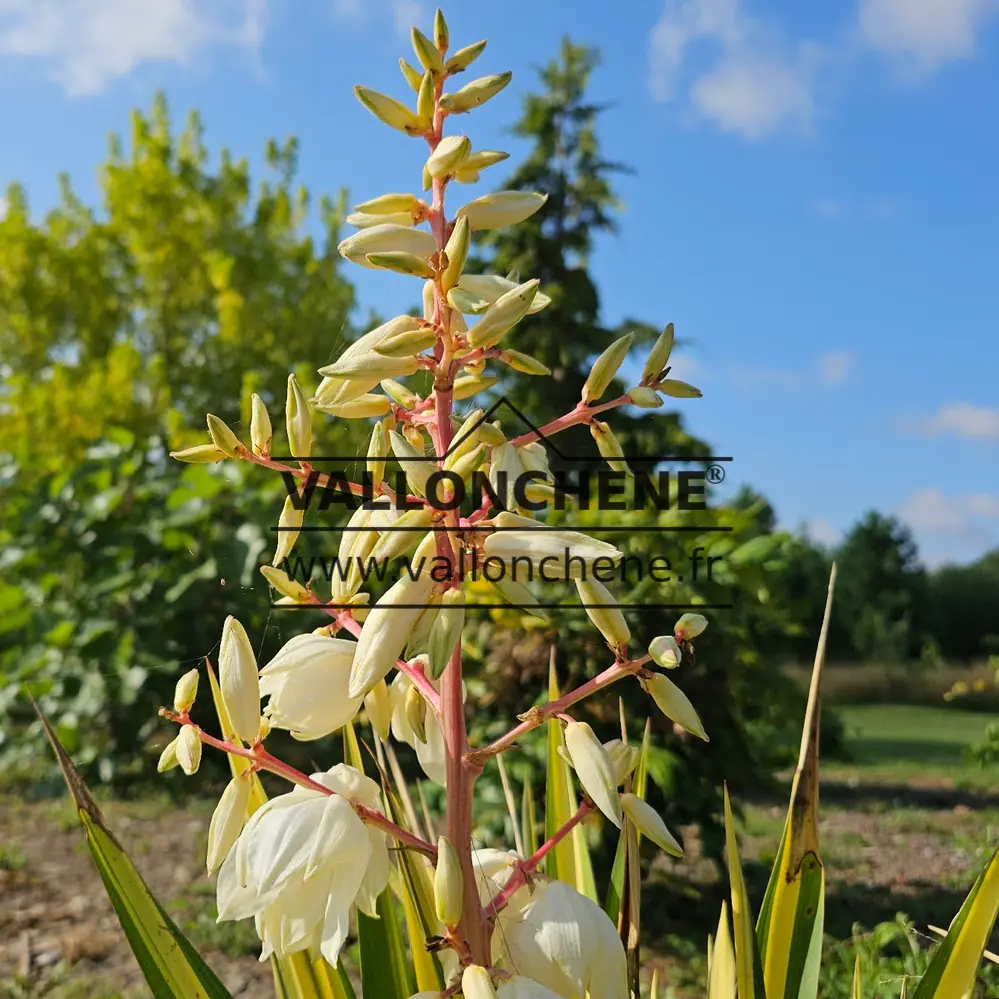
<point x="302" y="862"/>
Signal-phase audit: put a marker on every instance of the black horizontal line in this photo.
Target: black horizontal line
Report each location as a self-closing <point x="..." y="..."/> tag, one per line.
<point x="351" y="458"/>
<point x="509" y="606"/>
<point x="322" y="529"/>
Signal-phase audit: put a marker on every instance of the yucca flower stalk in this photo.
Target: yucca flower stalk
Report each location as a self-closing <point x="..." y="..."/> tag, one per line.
<point x="335" y="850"/>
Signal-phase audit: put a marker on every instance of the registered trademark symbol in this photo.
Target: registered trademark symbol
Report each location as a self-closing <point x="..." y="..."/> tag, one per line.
<point x="716" y="474"/>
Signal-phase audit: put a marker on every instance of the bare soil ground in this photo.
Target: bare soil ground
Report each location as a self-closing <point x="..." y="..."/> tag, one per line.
<point x="888" y="849"/>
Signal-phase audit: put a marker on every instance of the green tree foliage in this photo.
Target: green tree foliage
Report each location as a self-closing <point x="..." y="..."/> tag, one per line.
<point x="187" y="289"/>
<point x="184" y="291"/>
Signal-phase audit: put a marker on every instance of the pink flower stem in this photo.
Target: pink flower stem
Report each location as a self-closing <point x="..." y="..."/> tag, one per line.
<point x="262" y="760"/>
<point x="460" y="773"/>
<point x="537" y="715"/>
<point x="581" y="414"/>
<point x="522" y="872"/>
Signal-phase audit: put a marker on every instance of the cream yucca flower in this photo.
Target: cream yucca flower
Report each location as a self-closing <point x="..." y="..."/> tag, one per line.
<point x="495" y="211"/>
<point x="238" y="680"/>
<point x="428" y="744"/>
<point x="665" y="651"/>
<point x="674" y="704"/>
<point x="185" y="692"/>
<point x="594" y="768"/>
<point x="689" y="627"/>
<point x="601" y="608"/>
<point x="474" y="293"/>
<point x="227" y="821"/>
<point x="558" y="938"/>
<point x="448" y="884"/>
<point x="558" y="554"/>
<point x="306" y="683"/>
<point x="188" y="749"/>
<point x="649" y="823"/>
<point x="476" y="983"/>
<point x="302" y="861"/>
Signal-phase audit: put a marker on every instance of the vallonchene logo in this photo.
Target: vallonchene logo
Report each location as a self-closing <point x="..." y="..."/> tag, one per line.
<point x="413" y="501"/>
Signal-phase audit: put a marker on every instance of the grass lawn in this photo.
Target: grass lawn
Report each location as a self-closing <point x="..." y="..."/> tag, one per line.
<point x="908" y="742"/>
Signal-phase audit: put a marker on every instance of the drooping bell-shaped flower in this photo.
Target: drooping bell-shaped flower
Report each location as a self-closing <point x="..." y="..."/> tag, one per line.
<point x="594" y="768"/>
<point x="307" y="685"/>
<point x="238" y="680"/>
<point x="558" y="938"/>
<point x="302" y="860"/>
<point x="428" y="743"/>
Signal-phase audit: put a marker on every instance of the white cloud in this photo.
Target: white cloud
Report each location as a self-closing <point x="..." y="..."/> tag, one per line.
<point x="753" y="88"/>
<point x="828" y="208"/>
<point x="964" y="420"/>
<point x="835" y="367"/>
<point x="86" y="44"/>
<point x="931" y="511"/>
<point x="403" y="13"/>
<point x="819" y="529"/>
<point x="922" y="35"/>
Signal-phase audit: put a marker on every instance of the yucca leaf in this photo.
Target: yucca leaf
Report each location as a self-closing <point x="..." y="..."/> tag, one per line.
<point x="855" y="989"/>
<point x="171" y="966"/>
<point x="351" y="749"/>
<point x="639" y="784"/>
<point x="385" y="968"/>
<point x="954" y="966"/>
<point x="528" y="819"/>
<point x="299" y="976"/>
<point x="721" y="962"/>
<point x="792" y="916"/>
<point x="748" y="967"/>
<point x="560" y="804"/>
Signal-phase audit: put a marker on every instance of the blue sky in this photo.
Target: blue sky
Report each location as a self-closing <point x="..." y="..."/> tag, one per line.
<point x="814" y="202"/>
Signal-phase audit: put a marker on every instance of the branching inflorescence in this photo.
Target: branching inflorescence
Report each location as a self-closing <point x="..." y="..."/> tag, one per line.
<point x="299" y="863"/>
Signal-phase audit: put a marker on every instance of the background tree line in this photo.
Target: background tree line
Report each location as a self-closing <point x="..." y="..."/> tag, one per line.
<point x="189" y="288"/>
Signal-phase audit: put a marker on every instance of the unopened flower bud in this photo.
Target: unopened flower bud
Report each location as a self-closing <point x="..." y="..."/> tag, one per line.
<point x="689" y="627"/>
<point x="469" y="463"/>
<point x="623" y="757"/>
<point x="413" y="462"/>
<point x="289" y="527"/>
<point x="503" y="315"/>
<point x="425" y="100"/>
<point x="298" y="421"/>
<point x="168" y="758"/>
<point x="494" y="211"/>
<point x="593" y="768"/>
<point x="188" y="749"/>
<point x="442" y="36"/>
<point x="523" y="362"/>
<point x="389" y="111"/>
<point x="426" y="51"/>
<point x="491" y="434"/>
<point x="601" y="609"/>
<point x="466" y="437"/>
<point x="238" y="681"/>
<point x="678" y="390"/>
<point x="456" y="251"/>
<point x="407" y="343"/>
<point x="260" y="427"/>
<point x="227" y="822"/>
<point x="464" y="58"/>
<point x="645" y="397"/>
<point x="386" y="238"/>
<point x="377" y="453"/>
<point x="649" y="823"/>
<point x="415" y="707"/>
<point x="223" y="438"/>
<point x="361" y="408"/>
<point x="413" y="76"/>
<point x="285" y="585"/>
<point x="674" y="704"/>
<point x="469" y="171"/>
<point x="665" y="651"/>
<point x="470" y="385"/>
<point x="476" y="983"/>
<point x="448" y="883"/>
<point x="402" y="263"/>
<point x="185" y="692"/>
<point x="399" y="393"/>
<point x="476" y="93"/>
<point x="391" y="204"/>
<point x="378" y="704"/>
<point x="659" y="355"/>
<point x="451" y="151"/>
<point x="446" y="632"/>
<point x="609" y="446"/>
<point x="202" y="454"/>
<point x="605" y="368"/>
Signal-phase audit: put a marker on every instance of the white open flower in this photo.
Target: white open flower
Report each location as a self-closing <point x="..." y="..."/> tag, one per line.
<point x="307" y="685"/>
<point x="430" y="750"/>
<point x="560" y="939"/>
<point x="303" y="859"/>
<point x="517" y="987"/>
<point x="552" y="554"/>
